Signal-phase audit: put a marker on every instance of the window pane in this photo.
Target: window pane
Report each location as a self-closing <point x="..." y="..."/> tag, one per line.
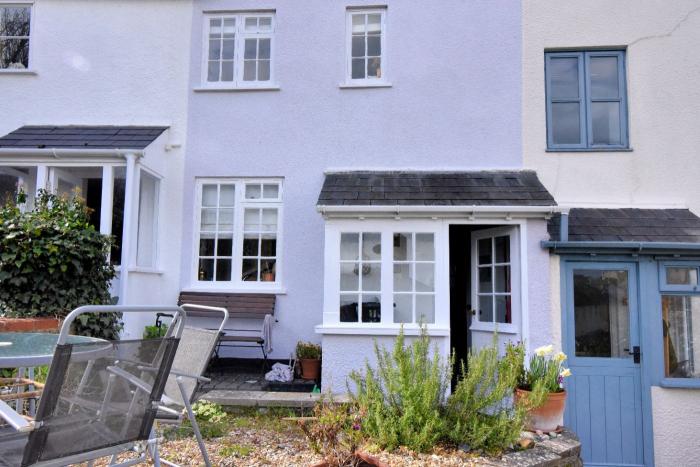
<point x="268" y="245"/>
<point x="601" y="313"/>
<point x="264" y="52"/>
<point x="604" y="77"/>
<point x="402" y="278"/>
<point x="606" y="122"/>
<point x="252" y="191"/>
<point x="403" y="308"/>
<point x="228" y="196"/>
<point x="358" y="23"/>
<point x="229" y="27"/>
<point x="251" y="23"/>
<point x="349" y="279"/>
<point x="502" y="249"/>
<point x="215" y="27"/>
<point x="348" y="308"/>
<point x="503" y="311"/>
<point x="374" y="46"/>
<point x="14" y="53"/>
<point x="371" y="309"/>
<point x="566" y="123"/>
<point x="213" y="71"/>
<point x="224" y="246"/>
<point x="225" y="220"/>
<point x="374" y="67"/>
<point x="269" y="220"/>
<point x="371" y="246"/>
<point x="563" y="78"/>
<point x="268" y="270"/>
<point x="358" y="46"/>
<point x="206" y="246"/>
<point x="209" y="195"/>
<point x="265" y="23"/>
<point x="374" y="23"/>
<point x="228" y="50"/>
<point x="206" y="270"/>
<point x="208" y="220"/>
<point x="249" y="70"/>
<point x="372" y="277"/>
<point x="358" y="68"/>
<point x="251" y="220"/>
<point x="681" y="276"/>
<point x="486" y="308"/>
<point x="214" y="49"/>
<point x="271" y="191"/>
<point x="264" y="70"/>
<point x="251" y="48"/>
<point x="14" y="20"/>
<point x="249" y="270"/>
<point x="250" y="245"/>
<point x="502" y="282"/>
<point x="681" y="328"/>
<point x="425" y="308"/>
<point x="425" y="247"/>
<point x="349" y="246"/>
<point x="425" y="277"/>
<point x="402" y="247"/>
<point x="223" y="269"/>
<point x="227" y="71"/>
<point x="485" y="280"/>
<point x="485" y="251"/>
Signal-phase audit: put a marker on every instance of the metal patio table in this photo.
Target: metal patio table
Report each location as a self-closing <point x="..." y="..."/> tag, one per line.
<point x="32" y="349"/>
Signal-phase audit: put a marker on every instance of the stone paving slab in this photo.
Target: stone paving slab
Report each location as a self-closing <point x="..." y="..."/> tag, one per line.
<point x="226" y="397"/>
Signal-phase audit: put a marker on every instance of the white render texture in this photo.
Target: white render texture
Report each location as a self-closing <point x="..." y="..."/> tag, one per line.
<point x="114" y="63"/>
<point x="676" y="426"/>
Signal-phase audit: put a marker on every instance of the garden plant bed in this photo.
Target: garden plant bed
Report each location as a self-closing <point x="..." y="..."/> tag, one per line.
<point x="255" y="438"/>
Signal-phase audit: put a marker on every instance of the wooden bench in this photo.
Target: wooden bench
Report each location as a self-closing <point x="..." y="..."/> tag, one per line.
<point x="240" y="306"/>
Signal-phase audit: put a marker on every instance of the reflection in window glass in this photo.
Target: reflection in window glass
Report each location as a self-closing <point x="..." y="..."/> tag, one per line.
<point x="360" y="277"/>
<point x="216" y="232"/>
<point x="493" y="281"/>
<point x="366" y="45"/>
<point x="676" y="275"/>
<point x="14" y="36"/>
<point x="681" y="331"/>
<point x="601" y="313"/>
<point x="414" y="278"/>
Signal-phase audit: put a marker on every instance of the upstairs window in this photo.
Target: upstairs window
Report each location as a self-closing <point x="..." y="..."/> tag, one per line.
<point x="238" y="50"/>
<point x="14" y="37"/>
<point x="366" y="56"/>
<point x="586" y="100"/>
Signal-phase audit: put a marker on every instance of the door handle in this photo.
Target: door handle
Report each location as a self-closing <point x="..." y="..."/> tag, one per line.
<point x="636" y="353"/>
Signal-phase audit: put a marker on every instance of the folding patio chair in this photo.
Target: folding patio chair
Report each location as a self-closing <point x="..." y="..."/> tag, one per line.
<point x="196" y="348"/>
<point x="100" y="398"/>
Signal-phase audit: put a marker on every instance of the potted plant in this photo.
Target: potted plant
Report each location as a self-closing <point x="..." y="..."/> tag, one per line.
<point x="309" y="358"/>
<point x="545" y="369"/>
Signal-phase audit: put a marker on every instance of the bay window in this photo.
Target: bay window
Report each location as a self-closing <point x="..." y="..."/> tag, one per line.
<point x="238" y="232"/>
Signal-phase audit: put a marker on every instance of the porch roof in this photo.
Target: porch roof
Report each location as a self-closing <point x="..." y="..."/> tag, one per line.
<point x="81" y="137"/>
<point x="628" y="225"/>
<point x="423" y="188"/>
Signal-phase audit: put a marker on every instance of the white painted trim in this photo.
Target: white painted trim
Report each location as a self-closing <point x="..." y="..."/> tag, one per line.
<point x="208" y="88"/>
<point x="26" y="71"/>
<point x="228" y="289"/>
<point x="42" y="178"/>
<point x="371" y="329"/>
<point x="131" y="184"/>
<point x="364" y="85"/>
<point x="349" y="82"/>
<point x="107" y="200"/>
<point x="524" y="289"/>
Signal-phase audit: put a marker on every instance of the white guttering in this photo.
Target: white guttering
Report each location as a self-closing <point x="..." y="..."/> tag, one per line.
<point x="435" y="210"/>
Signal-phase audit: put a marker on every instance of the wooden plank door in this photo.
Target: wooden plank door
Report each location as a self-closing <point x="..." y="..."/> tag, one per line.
<point x="601" y="328"/>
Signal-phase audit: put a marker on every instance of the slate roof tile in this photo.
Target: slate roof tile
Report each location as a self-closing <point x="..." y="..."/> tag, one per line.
<point x="81" y="137"/>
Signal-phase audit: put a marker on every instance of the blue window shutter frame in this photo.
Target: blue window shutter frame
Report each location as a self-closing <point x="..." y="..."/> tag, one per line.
<point x="585" y="100"/>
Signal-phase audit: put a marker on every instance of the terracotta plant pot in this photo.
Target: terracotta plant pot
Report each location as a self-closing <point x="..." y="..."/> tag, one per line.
<point x="549" y="416"/>
<point x="43" y="324"/>
<point x="310" y="368"/>
<point x="268" y="277"/>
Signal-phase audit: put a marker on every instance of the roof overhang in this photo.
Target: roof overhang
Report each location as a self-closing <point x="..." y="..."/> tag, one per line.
<point x="34" y="156"/>
<point x="438" y="211"/>
<point x="638" y="248"/>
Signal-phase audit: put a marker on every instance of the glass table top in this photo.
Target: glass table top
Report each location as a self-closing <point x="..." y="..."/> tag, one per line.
<point x="28" y="348"/>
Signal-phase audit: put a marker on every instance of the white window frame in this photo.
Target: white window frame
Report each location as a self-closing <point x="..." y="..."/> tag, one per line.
<point x="236" y="284"/>
<point x="29" y="69"/>
<point x="366" y="81"/>
<point x="515" y="281"/>
<point x="239" y="50"/>
<point x="387" y="229"/>
<point x="155" y="261"/>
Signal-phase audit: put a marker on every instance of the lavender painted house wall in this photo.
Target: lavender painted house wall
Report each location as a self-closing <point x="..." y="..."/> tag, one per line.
<point x="453" y="103"/>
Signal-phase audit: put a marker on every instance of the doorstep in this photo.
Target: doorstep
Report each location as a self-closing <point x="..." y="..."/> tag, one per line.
<point x="230" y="398"/>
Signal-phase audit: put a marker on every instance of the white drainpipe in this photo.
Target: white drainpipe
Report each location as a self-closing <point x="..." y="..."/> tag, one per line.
<point x="129" y="196"/>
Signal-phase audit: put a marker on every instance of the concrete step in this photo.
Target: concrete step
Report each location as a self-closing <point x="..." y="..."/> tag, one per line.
<point x="231" y="398"/>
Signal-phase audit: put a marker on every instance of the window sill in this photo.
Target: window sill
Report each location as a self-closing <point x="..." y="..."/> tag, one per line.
<point x="144" y="270"/>
<point x="500" y="328"/>
<point x="680" y="383"/>
<point x="271" y="87"/>
<point x="589" y="150"/>
<point x="276" y="290"/>
<point x="7" y="71"/>
<point x="366" y="329"/>
<point x="367" y="85"/>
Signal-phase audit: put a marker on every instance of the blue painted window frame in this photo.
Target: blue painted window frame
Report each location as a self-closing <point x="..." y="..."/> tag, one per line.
<point x="585" y="101"/>
<point x="673" y="289"/>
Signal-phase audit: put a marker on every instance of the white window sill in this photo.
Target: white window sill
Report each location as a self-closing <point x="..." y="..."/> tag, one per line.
<point x="145" y="270"/>
<point x="364" y="85"/>
<point x="359" y="329"/>
<point x="270" y="87"/>
<point x="276" y="290"/>
<point x="501" y="328"/>
<point x="14" y="71"/>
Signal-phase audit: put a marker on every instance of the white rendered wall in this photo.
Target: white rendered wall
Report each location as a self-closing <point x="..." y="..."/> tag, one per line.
<point x="117" y="62"/>
<point x="663" y="65"/>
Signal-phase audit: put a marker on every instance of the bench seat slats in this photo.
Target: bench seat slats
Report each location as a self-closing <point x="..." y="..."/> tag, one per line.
<point x="239" y="305"/>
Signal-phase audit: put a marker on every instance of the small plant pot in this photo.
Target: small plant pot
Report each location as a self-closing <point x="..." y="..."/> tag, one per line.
<point x="310" y="368"/>
<point x="41" y="324"/>
<point x="549" y="416"/>
<point x="268" y="276"/>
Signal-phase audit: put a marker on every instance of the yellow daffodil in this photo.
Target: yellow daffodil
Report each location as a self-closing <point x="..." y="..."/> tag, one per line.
<point x="544" y="350"/>
<point x="560" y="357"/>
<point x="565" y="373"/>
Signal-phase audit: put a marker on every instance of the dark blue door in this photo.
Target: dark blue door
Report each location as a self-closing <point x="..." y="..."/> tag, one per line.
<point x="601" y="336"/>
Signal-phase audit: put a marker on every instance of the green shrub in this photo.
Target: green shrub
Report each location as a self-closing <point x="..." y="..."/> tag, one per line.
<point x="308" y="350"/>
<point x="52" y="261"/>
<point x="481" y="412"/>
<point x="211" y="418"/>
<point x="154" y="332"/>
<point x="404" y="396"/>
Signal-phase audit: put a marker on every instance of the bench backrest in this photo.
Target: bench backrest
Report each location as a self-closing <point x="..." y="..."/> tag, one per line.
<point x="239" y="305"/>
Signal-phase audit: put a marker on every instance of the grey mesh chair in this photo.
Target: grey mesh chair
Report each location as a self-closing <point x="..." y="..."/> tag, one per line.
<point x="100" y="398"/>
<point x="197" y="346"/>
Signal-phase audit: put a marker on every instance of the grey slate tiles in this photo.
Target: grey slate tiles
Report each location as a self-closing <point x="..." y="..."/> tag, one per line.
<point x="81" y="137"/>
<point x="629" y="224"/>
<point x="418" y="188"/>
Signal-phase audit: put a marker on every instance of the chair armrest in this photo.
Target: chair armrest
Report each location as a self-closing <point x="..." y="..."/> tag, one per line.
<point x="138" y="382"/>
<point x="14" y="419"/>
<point x="201" y="379"/>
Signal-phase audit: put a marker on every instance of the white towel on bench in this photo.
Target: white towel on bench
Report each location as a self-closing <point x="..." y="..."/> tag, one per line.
<point x="266" y="333"/>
